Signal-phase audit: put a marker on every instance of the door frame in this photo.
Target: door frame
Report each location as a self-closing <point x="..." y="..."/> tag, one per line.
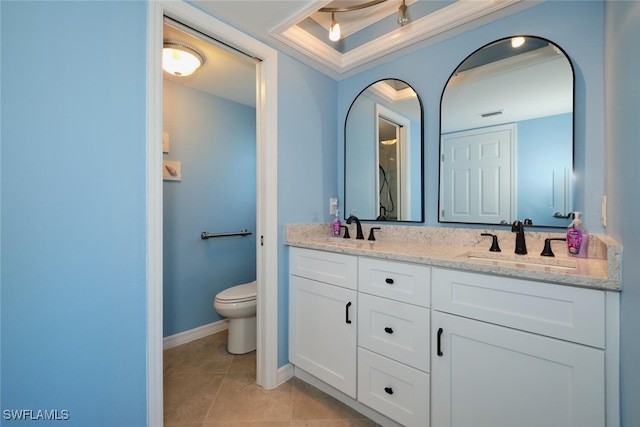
<point x="266" y="194"/>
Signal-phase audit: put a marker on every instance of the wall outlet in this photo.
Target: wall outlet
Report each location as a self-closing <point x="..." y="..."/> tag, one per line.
<point x="333" y="206"/>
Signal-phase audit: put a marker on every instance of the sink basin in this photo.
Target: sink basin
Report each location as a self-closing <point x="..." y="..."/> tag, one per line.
<point x="523" y="261"/>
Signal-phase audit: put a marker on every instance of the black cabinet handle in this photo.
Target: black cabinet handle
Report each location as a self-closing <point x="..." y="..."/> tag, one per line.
<point x="388" y="330"/>
<point x="440" y="331"/>
<point x="389" y="280"/>
<point x="388" y="390"/>
<point x="347" y="312"/>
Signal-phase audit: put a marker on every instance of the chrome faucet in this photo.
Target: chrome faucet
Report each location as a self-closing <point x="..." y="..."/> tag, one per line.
<point x="359" y="235"/>
<point x="521" y="246"/>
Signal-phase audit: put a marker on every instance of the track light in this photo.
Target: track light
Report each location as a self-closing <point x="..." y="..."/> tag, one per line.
<point x="334" y="30"/>
<point x="403" y="19"/>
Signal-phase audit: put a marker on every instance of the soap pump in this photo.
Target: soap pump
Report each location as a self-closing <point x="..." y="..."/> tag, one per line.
<point x="335" y="225"/>
<point x="577" y="237"/>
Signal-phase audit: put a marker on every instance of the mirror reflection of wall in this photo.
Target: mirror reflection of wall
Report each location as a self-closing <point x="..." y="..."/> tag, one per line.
<point x="507" y="136"/>
<point x="383" y="154"/>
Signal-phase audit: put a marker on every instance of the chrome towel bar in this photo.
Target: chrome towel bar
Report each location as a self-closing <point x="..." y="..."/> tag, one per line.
<point x="205" y="235"/>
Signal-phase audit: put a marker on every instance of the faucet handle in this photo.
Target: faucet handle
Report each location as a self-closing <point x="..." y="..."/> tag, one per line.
<point x="371" y="236"/>
<point x="346" y="232"/>
<point x="494" y="242"/>
<point x="547" y="246"/>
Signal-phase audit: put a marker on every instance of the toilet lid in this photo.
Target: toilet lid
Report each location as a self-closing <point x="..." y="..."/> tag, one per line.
<point x="239" y="293"/>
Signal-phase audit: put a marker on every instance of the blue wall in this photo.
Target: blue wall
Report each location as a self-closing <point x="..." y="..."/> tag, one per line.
<point x="73" y="211"/>
<point x="215" y="139"/>
<point x="307" y="171"/>
<point x="537" y="169"/>
<point x="576" y="26"/>
<point x="622" y="68"/>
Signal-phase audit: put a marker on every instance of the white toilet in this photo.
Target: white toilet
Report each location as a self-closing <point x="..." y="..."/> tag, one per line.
<point x="238" y="304"/>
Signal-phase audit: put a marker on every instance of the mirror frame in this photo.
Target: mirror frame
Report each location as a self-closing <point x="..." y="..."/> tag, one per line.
<point x="573" y="138"/>
<point x="422" y="155"/>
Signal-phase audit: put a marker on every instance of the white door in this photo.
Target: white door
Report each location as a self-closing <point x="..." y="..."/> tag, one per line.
<point x="485" y="375"/>
<point x="478" y="181"/>
<point x="322" y="332"/>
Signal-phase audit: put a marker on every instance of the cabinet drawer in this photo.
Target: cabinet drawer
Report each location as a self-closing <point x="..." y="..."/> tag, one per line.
<point x="393" y="389"/>
<point x="336" y="269"/>
<point x="394" y="329"/>
<point x="400" y="281"/>
<point x="569" y="313"/>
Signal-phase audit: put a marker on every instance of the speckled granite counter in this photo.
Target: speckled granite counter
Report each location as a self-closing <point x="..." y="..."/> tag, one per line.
<point x="466" y="249"/>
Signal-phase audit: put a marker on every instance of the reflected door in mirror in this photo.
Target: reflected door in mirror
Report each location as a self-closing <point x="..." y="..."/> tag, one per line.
<point x="529" y="88"/>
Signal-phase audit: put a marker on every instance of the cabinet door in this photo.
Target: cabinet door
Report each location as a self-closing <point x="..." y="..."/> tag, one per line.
<point x="322" y="332"/>
<point x="488" y="375"/>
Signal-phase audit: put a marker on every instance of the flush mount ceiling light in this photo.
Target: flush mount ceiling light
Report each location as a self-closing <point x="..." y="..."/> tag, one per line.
<point x="403" y="19"/>
<point x="517" y="42"/>
<point x="389" y="141"/>
<point x="334" y="29"/>
<point x="180" y="60"/>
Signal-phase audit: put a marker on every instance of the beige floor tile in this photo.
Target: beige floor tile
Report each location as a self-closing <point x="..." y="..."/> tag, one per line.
<point x="188" y="397"/>
<point x="248" y="424"/>
<point x="206" y="386"/>
<point x="201" y="357"/>
<point x="333" y="423"/>
<point x="241" y="399"/>
<point x="309" y="403"/>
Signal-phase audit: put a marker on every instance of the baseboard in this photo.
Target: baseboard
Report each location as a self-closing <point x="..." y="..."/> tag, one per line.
<point x="194" y="334"/>
<point x="285" y="373"/>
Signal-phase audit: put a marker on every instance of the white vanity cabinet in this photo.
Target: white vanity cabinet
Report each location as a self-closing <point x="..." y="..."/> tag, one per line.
<point x="393" y="339"/>
<point x="510" y="352"/>
<point x="323" y="316"/>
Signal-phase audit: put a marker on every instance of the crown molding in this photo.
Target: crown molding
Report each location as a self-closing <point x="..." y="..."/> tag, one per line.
<point x="445" y="19"/>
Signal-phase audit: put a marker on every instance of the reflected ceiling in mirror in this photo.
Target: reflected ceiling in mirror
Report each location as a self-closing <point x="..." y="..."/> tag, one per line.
<point x="506" y="136"/>
<point x="383" y="154"/>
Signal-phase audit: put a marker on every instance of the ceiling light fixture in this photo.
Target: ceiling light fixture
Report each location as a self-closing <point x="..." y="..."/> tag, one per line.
<point x="403" y="19"/>
<point x="180" y="60"/>
<point x="388" y="141"/>
<point x="517" y="42"/>
<point x="334" y="29"/>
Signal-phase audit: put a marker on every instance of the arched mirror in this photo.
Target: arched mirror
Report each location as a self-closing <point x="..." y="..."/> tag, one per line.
<point x="383" y="157"/>
<point x="506" y="135"/>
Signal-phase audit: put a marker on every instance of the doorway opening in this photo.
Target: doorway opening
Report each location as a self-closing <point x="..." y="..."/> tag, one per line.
<point x="266" y="194"/>
<point x="209" y="181"/>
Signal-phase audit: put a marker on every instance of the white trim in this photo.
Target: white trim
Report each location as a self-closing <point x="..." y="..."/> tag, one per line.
<point x="612" y="359"/>
<point x="267" y="227"/>
<point x="154" y="217"/>
<point x="285" y="373"/>
<point x="194" y="334"/>
<point x="448" y="18"/>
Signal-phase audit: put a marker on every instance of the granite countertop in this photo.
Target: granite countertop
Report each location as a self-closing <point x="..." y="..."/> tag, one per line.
<point x="465" y="249"/>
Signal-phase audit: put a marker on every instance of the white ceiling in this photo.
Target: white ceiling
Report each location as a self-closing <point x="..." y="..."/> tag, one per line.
<point x="279" y="23"/>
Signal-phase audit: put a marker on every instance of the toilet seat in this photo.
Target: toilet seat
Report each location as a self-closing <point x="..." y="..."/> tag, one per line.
<point x="239" y="293"/>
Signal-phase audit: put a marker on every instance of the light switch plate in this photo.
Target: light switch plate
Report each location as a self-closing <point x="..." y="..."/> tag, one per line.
<point x="333" y="206"/>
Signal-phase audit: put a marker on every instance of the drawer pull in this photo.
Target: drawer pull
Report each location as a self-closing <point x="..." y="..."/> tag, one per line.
<point x="388" y="330"/>
<point x="440" y="330"/>
<point x="388" y="390"/>
<point x="389" y="280"/>
<point x="347" y="312"/>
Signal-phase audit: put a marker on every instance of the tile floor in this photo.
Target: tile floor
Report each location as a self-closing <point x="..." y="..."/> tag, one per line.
<point x="205" y="386"/>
